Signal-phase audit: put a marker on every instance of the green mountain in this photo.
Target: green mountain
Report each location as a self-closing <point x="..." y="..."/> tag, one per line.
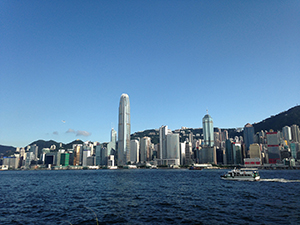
<point x="277" y="122"/>
<point x="7" y="150"/>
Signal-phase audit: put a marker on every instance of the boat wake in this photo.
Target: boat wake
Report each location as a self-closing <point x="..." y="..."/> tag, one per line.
<point x="280" y="180"/>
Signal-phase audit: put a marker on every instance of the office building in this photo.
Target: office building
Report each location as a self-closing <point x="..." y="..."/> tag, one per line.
<point x="134" y="151"/>
<point x="111" y="146"/>
<point x="163" y="132"/>
<point x="295" y="133"/>
<point x="145" y="149"/>
<point x="208" y="131"/>
<point x="255" y="151"/>
<point x="287" y="133"/>
<point x="273" y="147"/>
<point x="124" y="131"/>
<point x="64" y="159"/>
<point x="293" y="150"/>
<point x="173" y="148"/>
<point x="248" y="135"/>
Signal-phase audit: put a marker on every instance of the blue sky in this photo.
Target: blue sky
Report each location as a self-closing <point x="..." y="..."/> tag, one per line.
<point x="72" y="60"/>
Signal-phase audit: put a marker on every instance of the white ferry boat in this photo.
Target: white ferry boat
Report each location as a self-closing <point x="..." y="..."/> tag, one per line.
<point x="242" y="174"/>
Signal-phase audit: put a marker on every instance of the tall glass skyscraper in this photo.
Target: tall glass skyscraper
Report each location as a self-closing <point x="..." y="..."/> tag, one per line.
<point x="208" y="130"/>
<point x="248" y="135"/>
<point x="124" y="131"/>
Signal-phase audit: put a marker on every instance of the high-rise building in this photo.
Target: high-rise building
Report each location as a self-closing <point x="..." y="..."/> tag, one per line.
<point x="145" y="149"/>
<point x="85" y="154"/>
<point x="111" y="146"/>
<point x="273" y="147"/>
<point x="98" y="155"/>
<point x="208" y="131"/>
<point x="163" y="132"/>
<point x="287" y="134"/>
<point x="224" y="135"/>
<point x="64" y="159"/>
<point x="124" y="131"/>
<point x="248" y="135"/>
<point x="173" y="148"/>
<point x="188" y="153"/>
<point x="77" y="154"/>
<point x="34" y="149"/>
<point x="134" y="151"/>
<point x="293" y="151"/>
<point x="229" y="152"/>
<point x="295" y="133"/>
<point x="255" y="151"/>
<point x="182" y="153"/>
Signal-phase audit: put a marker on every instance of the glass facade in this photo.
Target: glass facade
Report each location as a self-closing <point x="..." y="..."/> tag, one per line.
<point x="208" y="130"/>
<point x="124" y="131"/>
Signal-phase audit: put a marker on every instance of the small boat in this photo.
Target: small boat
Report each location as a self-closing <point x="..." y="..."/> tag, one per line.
<point x="242" y="174"/>
<point x="195" y="168"/>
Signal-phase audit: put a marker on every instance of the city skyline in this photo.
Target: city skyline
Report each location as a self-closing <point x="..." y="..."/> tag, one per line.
<point x="63" y="65"/>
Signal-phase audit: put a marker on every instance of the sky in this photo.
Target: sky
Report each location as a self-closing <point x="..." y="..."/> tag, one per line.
<point x="65" y="64"/>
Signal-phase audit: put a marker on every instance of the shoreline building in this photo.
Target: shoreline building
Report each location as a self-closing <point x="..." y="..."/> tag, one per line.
<point x="145" y="149"/>
<point x="208" y="131"/>
<point x="111" y="146"/>
<point x="208" y="152"/>
<point x="163" y="132"/>
<point x="273" y="147"/>
<point x="287" y="133"/>
<point x="248" y="135"/>
<point x="124" y="131"/>
<point x="134" y="151"/>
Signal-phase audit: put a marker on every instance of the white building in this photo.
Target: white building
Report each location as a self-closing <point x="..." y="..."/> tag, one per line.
<point x="145" y="149"/>
<point x="134" y="151"/>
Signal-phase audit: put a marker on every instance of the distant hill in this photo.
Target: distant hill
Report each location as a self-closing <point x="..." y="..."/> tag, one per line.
<point x="277" y="122"/>
<point x="7" y="150"/>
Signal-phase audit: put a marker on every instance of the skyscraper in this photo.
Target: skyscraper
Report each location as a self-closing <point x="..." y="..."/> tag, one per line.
<point x="286" y="132"/>
<point x="163" y="132"/>
<point x="124" y="131"/>
<point x="173" y="148"/>
<point x="273" y="147"/>
<point x="145" y="149"/>
<point x="111" y="146"/>
<point x="295" y="133"/>
<point x="208" y="130"/>
<point x="134" y="151"/>
<point x="248" y="135"/>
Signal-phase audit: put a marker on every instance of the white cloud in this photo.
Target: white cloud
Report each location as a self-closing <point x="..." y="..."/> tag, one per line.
<point x="70" y="131"/>
<point x="79" y="132"/>
<point x="82" y="133"/>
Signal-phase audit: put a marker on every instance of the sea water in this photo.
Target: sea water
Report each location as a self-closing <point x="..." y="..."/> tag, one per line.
<point x="142" y="196"/>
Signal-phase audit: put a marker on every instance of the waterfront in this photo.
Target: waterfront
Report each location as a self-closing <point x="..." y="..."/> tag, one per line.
<point x="147" y="197"/>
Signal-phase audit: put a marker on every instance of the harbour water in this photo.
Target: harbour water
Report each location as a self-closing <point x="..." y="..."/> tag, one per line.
<point x="147" y="197"/>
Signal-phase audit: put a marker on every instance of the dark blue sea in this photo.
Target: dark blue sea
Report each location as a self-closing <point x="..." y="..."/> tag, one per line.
<point x="147" y="197"/>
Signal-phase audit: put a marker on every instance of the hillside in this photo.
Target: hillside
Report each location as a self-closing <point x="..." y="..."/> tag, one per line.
<point x="7" y="150"/>
<point x="277" y="122"/>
